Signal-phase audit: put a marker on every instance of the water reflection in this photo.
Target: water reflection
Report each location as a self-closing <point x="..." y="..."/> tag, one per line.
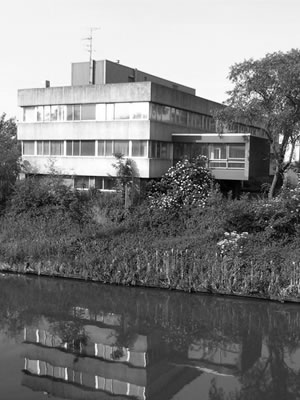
<point x="88" y="341"/>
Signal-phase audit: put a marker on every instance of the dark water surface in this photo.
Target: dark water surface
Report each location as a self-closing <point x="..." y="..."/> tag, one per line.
<point x="76" y="340"/>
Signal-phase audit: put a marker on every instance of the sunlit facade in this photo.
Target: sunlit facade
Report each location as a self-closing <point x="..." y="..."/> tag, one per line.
<point x="76" y="130"/>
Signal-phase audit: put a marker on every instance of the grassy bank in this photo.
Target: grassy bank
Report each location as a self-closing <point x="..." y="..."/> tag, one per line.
<point x="245" y="247"/>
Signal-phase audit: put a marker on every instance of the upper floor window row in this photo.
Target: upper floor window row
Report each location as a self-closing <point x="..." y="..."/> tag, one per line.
<point x="177" y="116"/>
<point x="86" y="112"/>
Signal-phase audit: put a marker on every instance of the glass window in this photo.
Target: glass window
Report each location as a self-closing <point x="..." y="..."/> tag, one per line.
<point x="122" y="111"/>
<point x="70" y="115"/>
<point x="181" y="117"/>
<point x="56" y="147"/>
<point x="159" y="109"/>
<point x="153" y="153"/>
<point x="199" y="150"/>
<point x="98" y="182"/>
<point x="236" y="150"/>
<point x="139" y="148"/>
<point x="54" y="113"/>
<point x="236" y="165"/>
<point x="29" y="114"/>
<point x="46" y="113"/>
<point x="28" y="147"/>
<point x="88" y="147"/>
<point x="39" y="147"/>
<point x="75" y="147"/>
<point x="108" y="183"/>
<point x="108" y="148"/>
<point x="76" y="112"/>
<point x="178" y="151"/>
<point x="164" y="150"/>
<point x="153" y="111"/>
<point x="110" y="112"/>
<point x="88" y="111"/>
<point x="69" y="148"/>
<point x="140" y="110"/>
<point x="81" y="182"/>
<point x="166" y="114"/>
<point x="46" y="145"/>
<point x="101" y="148"/>
<point x="61" y="113"/>
<point x="173" y="115"/>
<point x="121" y="147"/>
<point x="218" y="151"/>
<point x="101" y="112"/>
<point x="40" y="113"/>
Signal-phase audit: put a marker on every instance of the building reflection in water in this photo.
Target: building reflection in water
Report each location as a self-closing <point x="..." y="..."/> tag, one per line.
<point x="84" y="341"/>
<point x="91" y="361"/>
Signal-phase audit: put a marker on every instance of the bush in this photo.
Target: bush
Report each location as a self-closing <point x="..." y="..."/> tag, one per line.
<point x="188" y="183"/>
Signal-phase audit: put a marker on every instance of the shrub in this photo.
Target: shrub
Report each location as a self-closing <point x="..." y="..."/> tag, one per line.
<point x="188" y="183"/>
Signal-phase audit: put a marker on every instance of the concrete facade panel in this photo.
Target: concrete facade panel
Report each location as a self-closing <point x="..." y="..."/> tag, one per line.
<point x="120" y="130"/>
<point x="83" y="166"/>
<point x="123" y="92"/>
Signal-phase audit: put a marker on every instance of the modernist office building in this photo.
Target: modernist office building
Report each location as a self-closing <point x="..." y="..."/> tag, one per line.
<point x="110" y="108"/>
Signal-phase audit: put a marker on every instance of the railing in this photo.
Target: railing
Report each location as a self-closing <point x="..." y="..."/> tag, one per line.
<point x="227" y="163"/>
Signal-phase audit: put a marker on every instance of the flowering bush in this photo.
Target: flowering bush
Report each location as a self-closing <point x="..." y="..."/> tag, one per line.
<point x="232" y="244"/>
<point x="188" y="183"/>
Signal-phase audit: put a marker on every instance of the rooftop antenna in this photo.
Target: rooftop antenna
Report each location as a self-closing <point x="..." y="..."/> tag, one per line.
<point x="90" y="50"/>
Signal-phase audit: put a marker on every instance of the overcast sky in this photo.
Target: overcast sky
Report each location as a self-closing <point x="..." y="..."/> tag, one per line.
<point x="192" y="42"/>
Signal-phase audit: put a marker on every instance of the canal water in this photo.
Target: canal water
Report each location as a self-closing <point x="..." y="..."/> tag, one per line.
<point x="65" y="339"/>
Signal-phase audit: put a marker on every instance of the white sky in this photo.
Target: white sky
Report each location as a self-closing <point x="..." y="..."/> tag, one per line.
<point x="192" y="42"/>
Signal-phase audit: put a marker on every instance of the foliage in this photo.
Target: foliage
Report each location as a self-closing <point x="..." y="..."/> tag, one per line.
<point x="187" y="184"/>
<point x="267" y="93"/>
<point x="126" y="179"/>
<point x="9" y="156"/>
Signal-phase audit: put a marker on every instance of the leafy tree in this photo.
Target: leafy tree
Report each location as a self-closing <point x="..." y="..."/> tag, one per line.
<point x="267" y="91"/>
<point x="188" y="183"/>
<point x="126" y="178"/>
<point x="9" y="156"/>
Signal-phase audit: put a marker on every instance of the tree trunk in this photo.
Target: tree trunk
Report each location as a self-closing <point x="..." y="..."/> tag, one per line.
<point x="277" y="177"/>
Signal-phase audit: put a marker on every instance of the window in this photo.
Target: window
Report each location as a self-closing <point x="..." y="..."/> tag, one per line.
<point x="46" y="113"/>
<point x="40" y="113"/>
<point x="166" y="114"/>
<point x="121" y="147"/>
<point x="139" y="148"/>
<point x="87" y="148"/>
<point x="236" y="151"/>
<point x="70" y="113"/>
<point x="159" y="150"/>
<point x="28" y="147"/>
<point x="122" y="111"/>
<point x="81" y="182"/>
<point x="218" y="152"/>
<point x="76" y="112"/>
<point x="101" y="148"/>
<point x="140" y="110"/>
<point x="54" y="113"/>
<point x="88" y="111"/>
<point x="57" y="148"/>
<point x="109" y="148"/>
<point x="29" y="114"/>
<point x="43" y="148"/>
<point x="101" y="112"/>
<point x="110" y="112"/>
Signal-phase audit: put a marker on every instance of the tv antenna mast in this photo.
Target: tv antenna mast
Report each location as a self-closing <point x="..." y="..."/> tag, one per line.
<point x="90" y="50"/>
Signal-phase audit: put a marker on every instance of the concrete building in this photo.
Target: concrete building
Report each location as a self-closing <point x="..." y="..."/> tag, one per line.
<point x="110" y="108"/>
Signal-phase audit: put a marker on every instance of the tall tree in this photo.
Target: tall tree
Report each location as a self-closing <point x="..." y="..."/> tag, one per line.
<point x="267" y="92"/>
<point x="9" y="156"/>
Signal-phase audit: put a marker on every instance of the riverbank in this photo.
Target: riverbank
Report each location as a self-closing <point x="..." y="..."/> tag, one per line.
<point x="246" y="247"/>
